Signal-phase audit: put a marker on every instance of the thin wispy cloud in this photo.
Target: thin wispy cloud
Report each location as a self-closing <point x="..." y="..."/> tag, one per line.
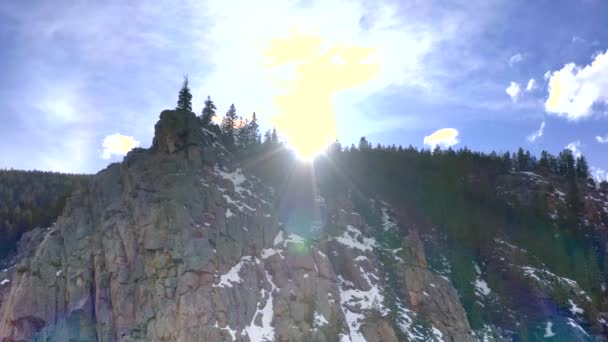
<point x="516" y="58"/>
<point x="538" y="133"/>
<point x="575" y="147"/>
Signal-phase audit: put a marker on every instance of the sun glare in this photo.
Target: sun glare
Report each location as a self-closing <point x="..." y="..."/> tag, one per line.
<point x="307" y="154"/>
<point x="305" y="107"/>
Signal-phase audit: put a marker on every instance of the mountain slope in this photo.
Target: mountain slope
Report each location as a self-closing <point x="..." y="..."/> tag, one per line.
<point x="176" y="243"/>
<point x="182" y="242"/>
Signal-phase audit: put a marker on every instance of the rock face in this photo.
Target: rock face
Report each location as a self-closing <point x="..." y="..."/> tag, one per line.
<point x="178" y="244"/>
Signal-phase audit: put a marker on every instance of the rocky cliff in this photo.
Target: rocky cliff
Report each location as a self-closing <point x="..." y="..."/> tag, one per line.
<point x="178" y="243"/>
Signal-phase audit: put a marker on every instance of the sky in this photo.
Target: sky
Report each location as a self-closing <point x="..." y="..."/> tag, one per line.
<point x="83" y="82"/>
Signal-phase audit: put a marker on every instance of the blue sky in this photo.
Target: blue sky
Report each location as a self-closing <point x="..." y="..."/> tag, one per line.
<point x="76" y="74"/>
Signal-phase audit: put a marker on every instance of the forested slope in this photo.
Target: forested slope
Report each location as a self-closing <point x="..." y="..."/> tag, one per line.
<point x="30" y="199"/>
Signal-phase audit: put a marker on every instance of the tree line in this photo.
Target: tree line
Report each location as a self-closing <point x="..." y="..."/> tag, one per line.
<point x="238" y="134"/>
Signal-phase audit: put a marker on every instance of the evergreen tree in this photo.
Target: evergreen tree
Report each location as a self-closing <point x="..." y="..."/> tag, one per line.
<point x="582" y="168"/>
<point x="208" y="112"/>
<point x="566" y="164"/>
<point x="242" y="133"/>
<point x="267" y="138"/>
<point x="254" y="131"/>
<point x="507" y="162"/>
<point x="184" y="100"/>
<point x="228" y="127"/>
<point x="543" y="163"/>
<point x="274" y="137"/>
<point x="364" y="145"/>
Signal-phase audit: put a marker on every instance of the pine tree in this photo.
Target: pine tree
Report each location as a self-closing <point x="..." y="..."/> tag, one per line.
<point x="208" y="112"/>
<point x="254" y="130"/>
<point x="543" y="163"/>
<point x="364" y="145"/>
<point x="242" y="133"/>
<point x="274" y="137"/>
<point x="184" y="100"/>
<point x="228" y="129"/>
<point x="582" y="168"/>
<point x="267" y="138"/>
<point x="566" y="164"/>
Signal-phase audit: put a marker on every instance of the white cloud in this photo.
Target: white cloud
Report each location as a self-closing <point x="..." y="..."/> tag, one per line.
<point x="444" y="137"/>
<point x="513" y="91"/>
<point x="602" y="140"/>
<point x="537" y="134"/>
<point x="598" y="174"/>
<point x="516" y="58"/>
<point x="573" y="90"/>
<point x="531" y="84"/>
<point x="575" y="147"/>
<point x="117" y="144"/>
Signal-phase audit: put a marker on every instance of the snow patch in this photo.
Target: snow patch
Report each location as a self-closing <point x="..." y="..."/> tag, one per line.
<point x="265" y="332"/>
<point x="574" y="308"/>
<point x="481" y="288"/>
<point x="576" y="326"/>
<point x="387" y="222"/>
<point x="352" y="237"/>
<point x="291" y="238"/>
<point x="437" y="333"/>
<point x="548" y="330"/>
<point x="5" y="281"/>
<point x="268" y="252"/>
<point x="358" y="300"/>
<point x="232" y="276"/>
<point x="319" y="320"/>
<point x="231" y="331"/>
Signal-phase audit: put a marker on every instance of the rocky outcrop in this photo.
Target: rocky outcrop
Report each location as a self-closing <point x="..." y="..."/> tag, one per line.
<point x="177" y="243"/>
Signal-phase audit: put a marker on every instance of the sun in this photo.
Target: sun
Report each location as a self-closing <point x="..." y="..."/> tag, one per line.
<point x="305" y="105"/>
<point x="307" y="153"/>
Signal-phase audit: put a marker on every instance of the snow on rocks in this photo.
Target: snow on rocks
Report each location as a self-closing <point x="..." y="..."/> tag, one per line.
<point x="545" y="277"/>
<point x="549" y="330"/>
<point x="5" y="281"/>
<point x="576" y="326"/>
<point x="265" y="332"/>
<point x="437" y="333"/>
<point x="387" y="222"/>
<point x="574" y="308"/>
<point x="232" y="276"/>
<point x="355" y="301"/>
<point x="319" y="320"/>
<point x="231" y="331"/>
<point x="481" y="287"/>
<point x="291" y="238"/>
<point x="353" y="238"/>
<point x="503" y="242"/>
